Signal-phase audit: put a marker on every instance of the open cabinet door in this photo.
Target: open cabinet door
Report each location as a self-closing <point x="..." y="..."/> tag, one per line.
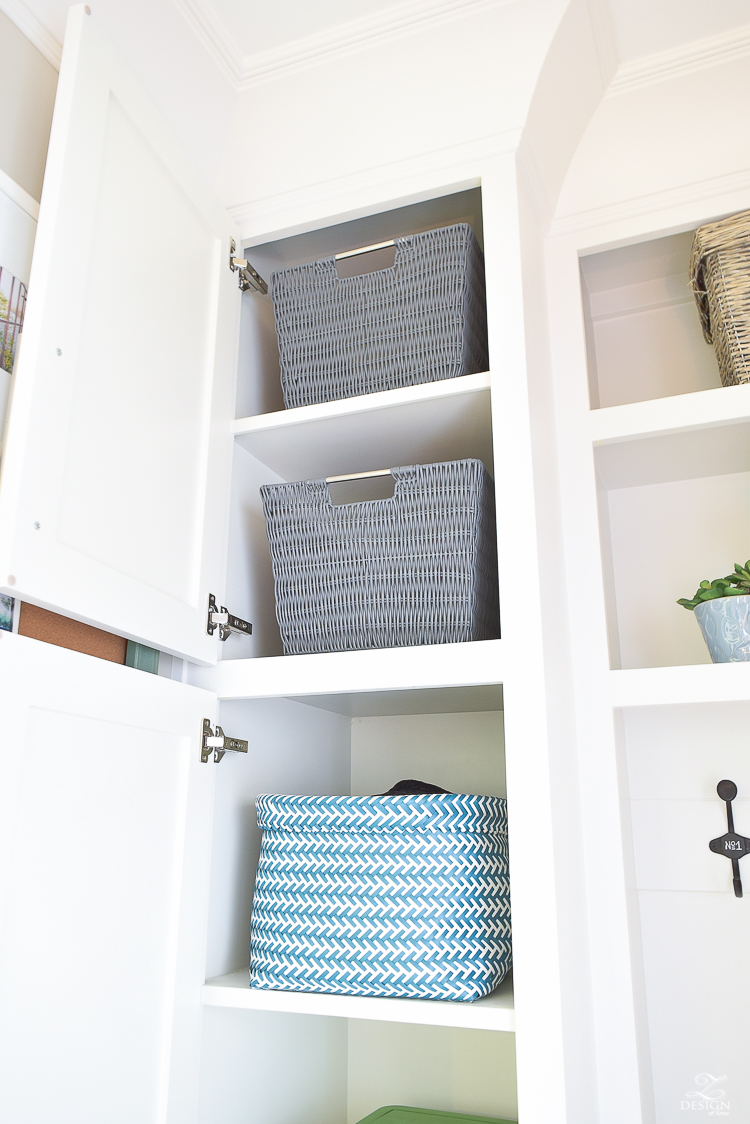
<point x="115" y="477"/>
<point x="105" y="836"/>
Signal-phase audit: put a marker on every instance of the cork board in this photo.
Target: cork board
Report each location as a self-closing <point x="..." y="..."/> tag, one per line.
<point x="40" y="624"/>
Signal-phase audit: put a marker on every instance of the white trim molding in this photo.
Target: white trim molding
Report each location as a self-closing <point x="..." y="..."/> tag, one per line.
<point x="311" y="50"/>
<point x="214" y="36"/>
<point x="678" y="61"/>
<point x="22" y="198"/>
<point x="330" y="201"/>
<point x="34" y="30"/>
<point x="713" y="188"/>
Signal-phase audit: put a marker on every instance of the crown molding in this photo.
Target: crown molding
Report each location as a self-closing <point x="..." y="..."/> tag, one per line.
<point x="714" y="188"/>
<point x="34" y="30"/>
<point x="688" y="59"/>
<point x="333" y="200"/>
<point x="204" y="23"/>
<point x="312" y="50"/>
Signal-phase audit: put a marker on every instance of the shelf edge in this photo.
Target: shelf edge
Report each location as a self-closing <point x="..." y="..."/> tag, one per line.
<point x="674" y="686"/>
<point x="477" y="663"/>
<point x="425" y="1012"/>
<point x="681" y="413"/>
<point x="362" y="404"/>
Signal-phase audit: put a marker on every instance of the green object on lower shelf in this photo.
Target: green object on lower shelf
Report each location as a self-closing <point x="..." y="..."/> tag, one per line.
<point x="400" y="1114"/>
<point x="142" y="658"/>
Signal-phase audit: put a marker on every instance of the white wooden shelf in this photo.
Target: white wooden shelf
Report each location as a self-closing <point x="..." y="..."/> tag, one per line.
<point x="378" y="670"/>
<point x="683" y="452"/>
<point x="670" y="686"/>
<point x="438" y="421"/>
<point x="703" y="409"/>
<point x="495" y="1012"/>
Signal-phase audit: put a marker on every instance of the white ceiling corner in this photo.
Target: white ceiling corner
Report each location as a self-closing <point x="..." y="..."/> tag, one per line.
<point x="34" y="30"/>
<point x="248" y="70"/>
<point x="685" y="59"/>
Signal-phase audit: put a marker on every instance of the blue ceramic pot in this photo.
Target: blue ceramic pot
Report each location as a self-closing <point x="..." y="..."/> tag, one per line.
<point x="725" y="624"/>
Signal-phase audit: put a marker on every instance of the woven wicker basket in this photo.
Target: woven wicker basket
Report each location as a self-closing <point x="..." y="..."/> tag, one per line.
<point x="422" y="320"/>
<point x="418" y="568"/>
<point x="720" y="276"/>
<point x="404" y="896"/>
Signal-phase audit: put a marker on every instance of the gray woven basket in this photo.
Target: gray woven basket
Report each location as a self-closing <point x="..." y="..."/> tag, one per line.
<point x="720" y="276"/>
<point x="417" y="568"/>
<point x="422" y="320"/>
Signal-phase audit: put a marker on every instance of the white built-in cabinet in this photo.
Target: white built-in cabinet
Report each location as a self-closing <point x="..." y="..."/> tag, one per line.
<point x="146" y="414"/>
<point x="654" y="461"/>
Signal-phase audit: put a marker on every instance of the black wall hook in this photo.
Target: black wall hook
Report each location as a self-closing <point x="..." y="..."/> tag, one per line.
<point x="732" y="845"/>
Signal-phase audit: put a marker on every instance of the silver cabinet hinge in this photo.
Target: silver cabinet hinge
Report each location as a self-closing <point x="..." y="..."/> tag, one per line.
<point x="225" y="622"/>
<point x="249" y="279"/>
<point x="219" y="743"/>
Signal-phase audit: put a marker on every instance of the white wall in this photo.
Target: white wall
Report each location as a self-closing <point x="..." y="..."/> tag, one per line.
<point x="450" y="84"/>
<point x="660" y="138"/>
<point x="27" y="94"/>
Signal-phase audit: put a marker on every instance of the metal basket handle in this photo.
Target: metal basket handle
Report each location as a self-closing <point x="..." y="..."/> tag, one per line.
<point x="365" y="250"/>
<point x="346" y="477"/>
<point x="358" y="475"/>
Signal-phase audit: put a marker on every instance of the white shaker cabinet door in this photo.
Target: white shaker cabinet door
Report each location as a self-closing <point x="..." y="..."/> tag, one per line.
<point x="115" y="476"/>
<point x="105" y="827"/>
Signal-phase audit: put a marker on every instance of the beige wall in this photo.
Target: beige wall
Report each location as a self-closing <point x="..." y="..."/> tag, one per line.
<point x="27" y="94"/>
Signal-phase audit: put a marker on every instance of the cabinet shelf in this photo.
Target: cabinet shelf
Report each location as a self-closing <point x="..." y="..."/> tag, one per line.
<point x="433" y="666"/>
<point x="495" y="1012"/>
<point x="669" y="686"/>
<point x="446" y="420"/>
<point x="703" y="409"/>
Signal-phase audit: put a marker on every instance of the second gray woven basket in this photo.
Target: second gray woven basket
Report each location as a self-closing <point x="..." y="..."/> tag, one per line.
<point x="720" y="276"/>
<point x="421" y="320"/>
<point x="418" y="568"/>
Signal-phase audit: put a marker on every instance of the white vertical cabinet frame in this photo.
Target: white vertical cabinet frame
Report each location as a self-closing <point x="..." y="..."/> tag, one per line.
<point x="115" y="481"/>
<point x="621" y="1078"/>
<point x="105" y="831"/>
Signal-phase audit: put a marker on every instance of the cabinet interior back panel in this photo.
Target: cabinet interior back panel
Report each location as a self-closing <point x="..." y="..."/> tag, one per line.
<point x="694" y="932"/>
<point x="430" y="1067"/>
<point x="272" y="1067"/>
<point x="664" y="540"/>
<point x="643" y="332"/>
<point x="459" y="752"/>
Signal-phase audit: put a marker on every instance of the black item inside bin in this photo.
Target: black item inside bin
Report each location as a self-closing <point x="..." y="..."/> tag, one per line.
<point x="413" y="788"/>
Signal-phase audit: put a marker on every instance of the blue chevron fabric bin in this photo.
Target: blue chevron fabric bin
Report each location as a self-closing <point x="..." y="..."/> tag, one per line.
<point x="403" y="896"/>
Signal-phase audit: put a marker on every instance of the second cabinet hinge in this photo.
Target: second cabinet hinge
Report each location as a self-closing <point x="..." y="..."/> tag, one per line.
<point x="249" y="280"/>
<point x="219" y="743"/>
<point x="225" y="622"/>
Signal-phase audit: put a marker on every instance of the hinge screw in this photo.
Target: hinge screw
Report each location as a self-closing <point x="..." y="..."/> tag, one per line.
<point x="59" y="352"/>
<point x="37" y="526"/>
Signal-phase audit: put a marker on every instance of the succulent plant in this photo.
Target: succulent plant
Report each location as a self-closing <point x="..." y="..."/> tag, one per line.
<point x="733" y="585"/>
